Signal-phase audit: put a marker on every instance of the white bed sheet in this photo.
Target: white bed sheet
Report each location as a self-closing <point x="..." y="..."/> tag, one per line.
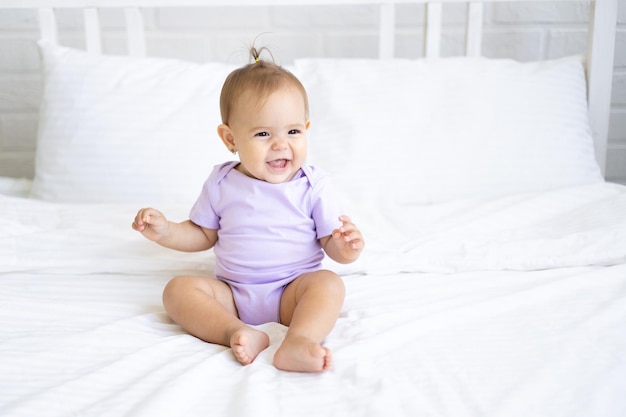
<point x="83" y="332"/>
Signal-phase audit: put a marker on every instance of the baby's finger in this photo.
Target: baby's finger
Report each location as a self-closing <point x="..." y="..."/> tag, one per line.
<point x="150" y="216"/>
<point x="142" y="219"/>
<point x="349" y="229"/>
<point x="346" y="224"/>
<point x="356" y="245"/>
<point x="344" y="219"/>
<point x="353" y="239"/>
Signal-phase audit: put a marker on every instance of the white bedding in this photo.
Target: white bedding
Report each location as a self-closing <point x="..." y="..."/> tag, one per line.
<point x="493" y="283"/>
<point x="513" y="306"/>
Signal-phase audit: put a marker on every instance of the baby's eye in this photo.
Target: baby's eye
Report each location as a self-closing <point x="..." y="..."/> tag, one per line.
<point x="262" y="134"/>
<point x="294" y="132"/>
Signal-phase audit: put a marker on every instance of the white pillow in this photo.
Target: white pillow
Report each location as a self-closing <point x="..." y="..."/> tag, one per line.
<point x="121" y="129"/>
<point x="427" y="131"/>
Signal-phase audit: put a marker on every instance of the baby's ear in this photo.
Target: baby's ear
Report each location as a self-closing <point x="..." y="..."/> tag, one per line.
<point x="307" y="124"/>
<point x="227" y="136"/>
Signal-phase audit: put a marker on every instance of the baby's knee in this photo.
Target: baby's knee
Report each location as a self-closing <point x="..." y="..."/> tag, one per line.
<point x="175" y="289"/>
<point x="332" y="281"/>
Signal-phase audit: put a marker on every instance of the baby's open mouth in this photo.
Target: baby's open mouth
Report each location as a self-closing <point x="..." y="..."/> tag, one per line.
<point x="278" y="163"/>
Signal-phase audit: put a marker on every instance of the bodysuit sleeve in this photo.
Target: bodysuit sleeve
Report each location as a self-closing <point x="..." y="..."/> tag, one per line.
<point x="203" y="211"/>
<point x="326" y="206"/>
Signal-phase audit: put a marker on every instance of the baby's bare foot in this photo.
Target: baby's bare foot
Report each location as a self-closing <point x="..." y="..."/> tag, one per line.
<point x="247" y="343"/>
<point x="298" y="353"/>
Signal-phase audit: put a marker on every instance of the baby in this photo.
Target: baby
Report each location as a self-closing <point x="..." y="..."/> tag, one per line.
<point x="269" y="217"/>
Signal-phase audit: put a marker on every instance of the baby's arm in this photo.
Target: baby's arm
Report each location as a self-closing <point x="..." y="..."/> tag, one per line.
<point x="185" y="236"/>
<point x="345" y="244"/>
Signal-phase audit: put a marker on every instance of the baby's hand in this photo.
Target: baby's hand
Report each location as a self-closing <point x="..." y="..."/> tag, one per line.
<point x="151" y="223"/>
<point x="348" y="239"/>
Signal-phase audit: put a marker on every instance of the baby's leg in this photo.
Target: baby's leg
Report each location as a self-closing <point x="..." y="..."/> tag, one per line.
<point x="310" y="306"/>
<point x="205" y="308"/>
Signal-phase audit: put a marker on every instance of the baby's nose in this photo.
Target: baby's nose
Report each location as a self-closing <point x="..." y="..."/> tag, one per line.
<point x="279" y="143"/>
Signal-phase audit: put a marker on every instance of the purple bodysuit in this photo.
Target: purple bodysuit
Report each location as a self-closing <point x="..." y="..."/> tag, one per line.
<point x="268" y="234"/>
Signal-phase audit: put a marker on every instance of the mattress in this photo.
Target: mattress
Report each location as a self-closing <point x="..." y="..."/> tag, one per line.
<point x="513" y="306"/>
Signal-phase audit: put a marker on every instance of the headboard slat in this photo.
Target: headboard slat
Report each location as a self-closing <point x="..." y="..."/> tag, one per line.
<point x="93" y="36"/>
<point x="386" y="47"/>
<point x="136" y="31"/>
<point x="600" y="56"/>
<point x="48" y="25"/>
<point x="474" y="34"/>
<point x="432" y="36"/>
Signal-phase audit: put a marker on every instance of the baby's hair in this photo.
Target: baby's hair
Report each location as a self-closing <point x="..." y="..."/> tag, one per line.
<point x="255" y="53"/>
<point x="261" y="76"/>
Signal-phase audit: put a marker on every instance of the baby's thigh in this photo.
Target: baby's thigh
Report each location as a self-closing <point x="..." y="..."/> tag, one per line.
<point x="183" y="289"/>
<point x="323" y="286"/>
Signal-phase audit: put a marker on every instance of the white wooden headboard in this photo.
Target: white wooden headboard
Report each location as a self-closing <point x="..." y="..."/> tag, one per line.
<point x="600" y="47"/>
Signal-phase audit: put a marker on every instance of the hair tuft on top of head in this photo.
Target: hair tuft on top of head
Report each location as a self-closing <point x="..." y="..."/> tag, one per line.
<point x="255" y="53"/>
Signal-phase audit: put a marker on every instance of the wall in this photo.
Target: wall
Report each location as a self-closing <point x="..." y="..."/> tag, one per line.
<point x="524" y="31"/>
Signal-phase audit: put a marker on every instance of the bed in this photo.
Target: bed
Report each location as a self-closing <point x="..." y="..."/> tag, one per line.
<point x="493" y="282"/>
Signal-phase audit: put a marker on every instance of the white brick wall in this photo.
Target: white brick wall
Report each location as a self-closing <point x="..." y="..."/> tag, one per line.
<point x="522" y="31"/>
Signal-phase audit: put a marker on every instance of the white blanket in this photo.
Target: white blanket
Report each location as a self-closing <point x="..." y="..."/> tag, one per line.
<point x="568" y="227"/>
<point x="514" y="307"/>
<point x="577" y="226"/>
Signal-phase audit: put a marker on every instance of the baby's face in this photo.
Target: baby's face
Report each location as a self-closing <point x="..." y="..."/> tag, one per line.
<point x="270" y="136"/>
